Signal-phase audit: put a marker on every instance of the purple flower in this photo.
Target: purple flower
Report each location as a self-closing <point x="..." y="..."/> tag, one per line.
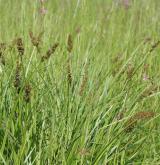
<point x="126" y="3"/>
<point x="145" y="77"/>
<point x="43" y="11"/>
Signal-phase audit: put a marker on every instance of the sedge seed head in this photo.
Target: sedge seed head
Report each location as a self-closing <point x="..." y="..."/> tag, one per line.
<point x="69" y="43"/>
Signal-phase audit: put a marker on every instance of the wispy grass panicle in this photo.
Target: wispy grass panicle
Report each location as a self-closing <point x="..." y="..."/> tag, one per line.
<point x="17" y="78"/>
<point x="69" y="43"/>
<point x="20" y="46"/>
<point x="27" y="94"/>
<point x="50" y="52"/>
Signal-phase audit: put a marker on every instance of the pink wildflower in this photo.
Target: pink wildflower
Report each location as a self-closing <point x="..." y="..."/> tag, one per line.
<point x="145" y="77"/>
<point x="43" y="11"/>
<point x="126" y="3"/>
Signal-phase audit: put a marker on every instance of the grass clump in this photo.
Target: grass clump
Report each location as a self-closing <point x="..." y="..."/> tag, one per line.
<point x="96" y="101"/>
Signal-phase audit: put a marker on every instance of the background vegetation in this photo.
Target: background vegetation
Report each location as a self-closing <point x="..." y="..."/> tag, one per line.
<point x="79" y="82"/>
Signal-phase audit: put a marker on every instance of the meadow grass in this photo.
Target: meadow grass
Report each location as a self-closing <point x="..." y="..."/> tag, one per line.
<point x="79" y="82"/>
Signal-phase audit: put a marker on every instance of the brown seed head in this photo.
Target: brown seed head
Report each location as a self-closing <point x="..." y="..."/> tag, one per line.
<point x="130" y="71"/>
<point x="144" y="115"/>
<point x="69" y="73"/>
<point x="69" y="43"/>
<point x="35" y="40"/>
<point x="2" y="46"/>
<point x="139" y="116"/>
<point x="2" y="49"/>
<point x="49" y="52"/>
<point x="154" y="46"/>
<point x="27" y="95"/>
<point x="147" y="40"/>
<point x="20" y="46"/>
<point x="17" y="79"/>
<point x="149" y="91"/>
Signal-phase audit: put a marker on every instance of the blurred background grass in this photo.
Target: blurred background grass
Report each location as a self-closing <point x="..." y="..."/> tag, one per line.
<point x="59" y="126"/>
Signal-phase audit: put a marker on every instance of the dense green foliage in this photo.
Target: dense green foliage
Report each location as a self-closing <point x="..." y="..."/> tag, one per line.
<point x="79" y="82"/>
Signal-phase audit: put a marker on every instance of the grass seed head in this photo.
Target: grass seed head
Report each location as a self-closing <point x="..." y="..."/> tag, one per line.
<point x="154" y="46"/>
<point x="27" y="95"/>
<point x="2" y="49"/>
<point x="20" y="46"/>
<point x="147" y="40"/>
<point x="144" y="115"/>
<point x="149" y="91"/>
<point x="17" y="79"/>
<point x="49" y="52"/>
<point x="139" y="116"/>
<point x="69" y="43"/>
<point x="69" y="73"/>
<point x="130" y="71"/>
<point x="36" y="40"/>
